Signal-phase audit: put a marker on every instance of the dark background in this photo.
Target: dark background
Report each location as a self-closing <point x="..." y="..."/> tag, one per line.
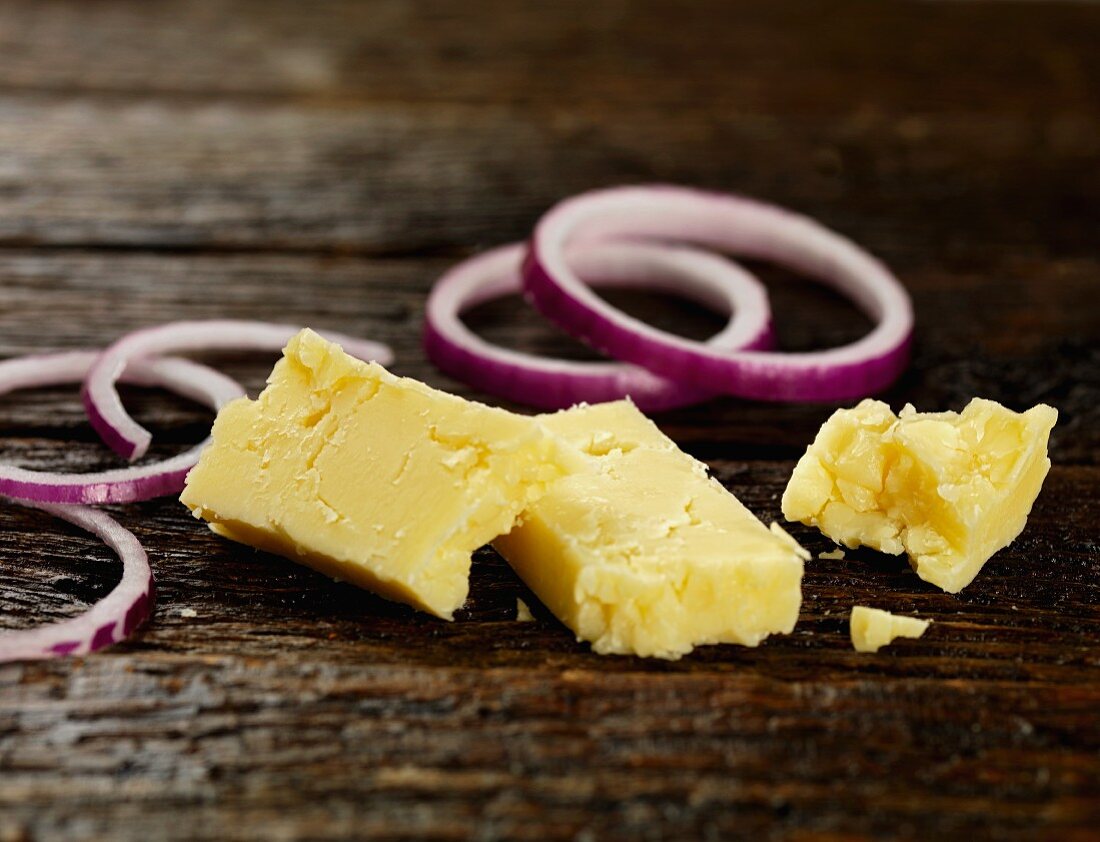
<point x="323" y="163"/>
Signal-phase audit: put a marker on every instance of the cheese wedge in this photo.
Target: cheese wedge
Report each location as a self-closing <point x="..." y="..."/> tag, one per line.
<point x="370" y="478"/>
<point x="949" y="489"/>
<point x="873" y="628"/>
<point x="641" y="552"/>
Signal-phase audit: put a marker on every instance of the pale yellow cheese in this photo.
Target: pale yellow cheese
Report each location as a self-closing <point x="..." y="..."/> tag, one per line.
<point x="367" y="477"/>
<point x="949" y="489"/>
<point x="641" y="552"/>
<point x="873" y="628"/>
<point x="523" y="612"/>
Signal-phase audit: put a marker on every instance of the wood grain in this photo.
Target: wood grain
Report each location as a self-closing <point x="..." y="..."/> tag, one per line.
<point x="369" y="719"/>
<point x="918" y="190"/>
<point x="323" y="163"/>
<point x="787" y="55"/>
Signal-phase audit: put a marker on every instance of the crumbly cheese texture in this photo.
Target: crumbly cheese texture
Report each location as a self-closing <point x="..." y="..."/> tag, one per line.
<point x="370" y="478"/>
<point x="873" y="628"/>
<point x="949" y="489"/>
<point x="640" y="552"/>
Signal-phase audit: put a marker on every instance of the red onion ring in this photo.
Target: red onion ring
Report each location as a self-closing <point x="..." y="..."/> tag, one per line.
<point x="104" y="406"/>
<point x="737" y="226"/>
<point x="124" y="485"/>
<point x="111" y="619"/>
<point x="556" y="383"/>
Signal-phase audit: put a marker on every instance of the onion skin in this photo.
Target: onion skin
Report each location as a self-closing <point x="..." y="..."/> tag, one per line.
<point x="125" y="485"/>
<point x="735" y="225"/>
<point x="549" y="383"/>
<point x="109" y="621"/>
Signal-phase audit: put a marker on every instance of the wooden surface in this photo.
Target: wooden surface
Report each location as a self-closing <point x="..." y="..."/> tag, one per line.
<point x="323" y="162"/>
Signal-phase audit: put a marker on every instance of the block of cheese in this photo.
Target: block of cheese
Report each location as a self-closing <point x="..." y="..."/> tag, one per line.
<point x="873" y="628"/>
<point x="949" y="489"/>
<point x="641" y="552"/>
<point x="370" y="478"/>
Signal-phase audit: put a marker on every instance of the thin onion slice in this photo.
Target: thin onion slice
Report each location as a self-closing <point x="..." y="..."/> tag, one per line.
<point x="104" y="406"/>
<point x="111" y="619"/>
<point x="554" y="383"/>
<point x="125" y="485"/>
<point x="732" y="225"/>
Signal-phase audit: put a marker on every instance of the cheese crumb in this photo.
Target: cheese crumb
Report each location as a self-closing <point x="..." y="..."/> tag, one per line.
<point x="188" y="612"/>
<point x="523" y="613"/>
<point x="873" y="628"/>
<point x="832" y="555"/>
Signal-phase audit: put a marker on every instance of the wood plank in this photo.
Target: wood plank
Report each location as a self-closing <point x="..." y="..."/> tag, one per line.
<point x="793" y="56"/>
<point x="916" y="189"/>
<point x="369" y="719"/>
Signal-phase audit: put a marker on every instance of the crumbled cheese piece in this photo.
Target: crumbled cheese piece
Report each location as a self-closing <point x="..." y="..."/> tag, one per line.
<point x="832" y="555"/>
<point x="873" y="628"/>
<point x="949" y="489"/>
<point x="523" y="613"/>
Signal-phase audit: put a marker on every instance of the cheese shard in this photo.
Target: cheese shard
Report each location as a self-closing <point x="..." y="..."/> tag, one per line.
<point x="949" y="489"/>
<point x="523" y="612"/>
<point x="873" y="628"/>
<point x="370" y="478"/>
<point x="641" y="552"/>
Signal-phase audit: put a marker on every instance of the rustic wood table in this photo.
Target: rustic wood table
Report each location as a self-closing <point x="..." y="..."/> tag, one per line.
<point x="323" y="163"/>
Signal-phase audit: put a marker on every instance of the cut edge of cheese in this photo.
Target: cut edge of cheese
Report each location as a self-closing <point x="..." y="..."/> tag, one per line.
<point x="873" y="628"/>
